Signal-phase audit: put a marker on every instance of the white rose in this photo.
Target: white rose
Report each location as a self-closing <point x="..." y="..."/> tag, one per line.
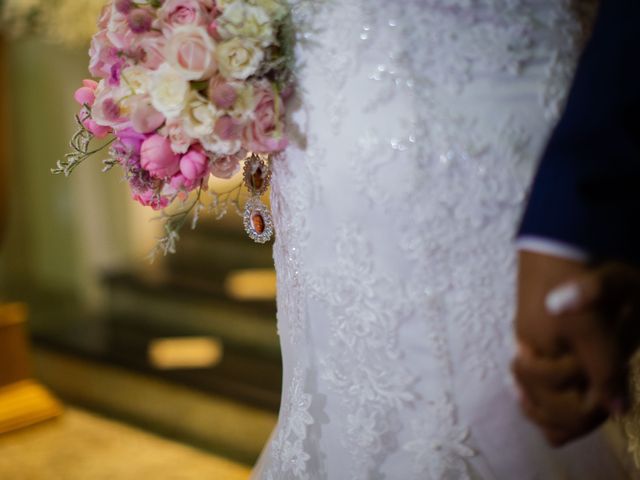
<point x="213" y="144"/>
<point x="136" y="78"/>
<point x="190" y="50"/>
<point x="169" y="91"/>
<point x="239" y="19"/>
<point x="200" y="116"/>
<point x="239" y="58"/>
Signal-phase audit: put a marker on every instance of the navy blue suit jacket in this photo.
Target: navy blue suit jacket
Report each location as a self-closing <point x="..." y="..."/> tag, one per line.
<point x="587" y="190"/>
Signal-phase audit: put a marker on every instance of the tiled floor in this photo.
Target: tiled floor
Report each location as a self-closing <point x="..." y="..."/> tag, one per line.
<point x="82" y="446"/>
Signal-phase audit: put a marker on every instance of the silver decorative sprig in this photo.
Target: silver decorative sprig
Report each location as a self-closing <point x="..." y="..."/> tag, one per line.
<point x="173" y="223"/>
<point x="80" y="144"/>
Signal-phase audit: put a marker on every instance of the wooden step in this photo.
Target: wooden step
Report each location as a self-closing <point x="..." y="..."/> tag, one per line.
<point x="26" y="403"/>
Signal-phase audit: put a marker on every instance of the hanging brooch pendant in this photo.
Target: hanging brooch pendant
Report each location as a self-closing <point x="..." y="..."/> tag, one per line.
<point x="257" y="219"/>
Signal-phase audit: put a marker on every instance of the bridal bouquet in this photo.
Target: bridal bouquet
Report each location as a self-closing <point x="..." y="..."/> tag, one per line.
<point x="185" y="90"/>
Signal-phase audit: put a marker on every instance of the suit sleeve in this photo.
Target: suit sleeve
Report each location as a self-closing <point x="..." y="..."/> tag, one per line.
<point x="587" y="190"/>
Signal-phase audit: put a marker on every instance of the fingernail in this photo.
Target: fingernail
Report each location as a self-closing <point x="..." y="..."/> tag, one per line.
<point x="563" y="298"/>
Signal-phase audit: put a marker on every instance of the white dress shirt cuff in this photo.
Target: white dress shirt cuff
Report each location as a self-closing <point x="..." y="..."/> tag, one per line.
<point x="553" y="248"/>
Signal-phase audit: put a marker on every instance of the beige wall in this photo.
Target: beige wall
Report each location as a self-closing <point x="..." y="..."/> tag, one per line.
<point x="62" y="231"/>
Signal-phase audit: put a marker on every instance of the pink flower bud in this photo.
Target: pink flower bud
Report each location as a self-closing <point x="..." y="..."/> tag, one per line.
<point x="124" y="6"/>
<point x="222" y="94"/>
<point x="85" y="96"/>
<point x="193" y="165"/>
<point x="157" y="158"/>
<point x="92" y="84"/>
<point x="149" y="198"/>
<point x="212" y="29"/>
<point x="96" y="130"/>
<point x="227" y="129"/>
<point x="180" y="183"/>
<point x="139" y="20"/>
<point x="226" y="167"/>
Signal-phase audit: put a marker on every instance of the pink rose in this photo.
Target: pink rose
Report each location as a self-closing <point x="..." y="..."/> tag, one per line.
<point x="226" y="166"/>
<point x="265" y="133"/>
<point x="145" y="118"/>
<point x="190" y="51"/>
<point x="194" y="164"/>
<point x="153" y="48"/>
<point x="150" y="198"/>
<point x="174" y="13"/>
<point x="157" y="158"/>
<point x="222" y="94"/>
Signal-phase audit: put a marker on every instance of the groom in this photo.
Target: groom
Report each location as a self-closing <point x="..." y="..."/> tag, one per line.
<point x="578" y="317"/>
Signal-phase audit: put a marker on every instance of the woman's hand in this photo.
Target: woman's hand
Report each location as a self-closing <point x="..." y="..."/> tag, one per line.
<point x="538" y="275"/>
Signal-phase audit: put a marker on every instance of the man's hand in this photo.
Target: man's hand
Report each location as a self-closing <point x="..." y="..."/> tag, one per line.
<point x="552" y="381"/>
<point x="577" y="328"/>
<point x="554" y="396"/>
<point x="599" y="316"/>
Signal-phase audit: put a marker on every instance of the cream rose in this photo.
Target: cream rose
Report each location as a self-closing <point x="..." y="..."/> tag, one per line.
<point x="136" y="78"/>
<point x="169" y="91"/>
<point x="200" y="116"/>
<point x="239" y="19"/>
<point x="242" y="108"/>
<point x="190" y="51"/>
<point x="239" y="58"/>
<point x="276" y="9"/>
<point x="214" y="144"/>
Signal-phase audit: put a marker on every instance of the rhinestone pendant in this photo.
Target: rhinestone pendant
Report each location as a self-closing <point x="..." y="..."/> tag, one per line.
<point x="257" y="221"/>
<point x="257" y="175"/>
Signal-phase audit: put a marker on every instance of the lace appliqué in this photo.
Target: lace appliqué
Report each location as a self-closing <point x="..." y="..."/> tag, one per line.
<point x="443" y="440"/>
<point x="288" y="444"/>
<point x="364" y="365"/>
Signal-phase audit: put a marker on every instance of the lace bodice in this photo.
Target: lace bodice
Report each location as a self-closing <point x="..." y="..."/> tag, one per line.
<point x="418" y="124"/>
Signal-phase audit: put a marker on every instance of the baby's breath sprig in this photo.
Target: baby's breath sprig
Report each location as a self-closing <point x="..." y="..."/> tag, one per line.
<point x="173" y="223"/>
<point x="80" y="144"/>
<point x="221" y="201"/>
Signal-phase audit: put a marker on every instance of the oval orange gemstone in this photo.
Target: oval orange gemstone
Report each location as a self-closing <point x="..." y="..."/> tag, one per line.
<point x="257" y="222"/>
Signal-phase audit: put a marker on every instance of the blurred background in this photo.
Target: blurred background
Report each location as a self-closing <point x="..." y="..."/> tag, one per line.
<point x="182" y="352"/>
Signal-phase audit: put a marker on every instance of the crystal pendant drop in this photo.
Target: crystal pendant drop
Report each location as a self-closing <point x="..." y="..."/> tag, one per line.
<point x="257" y="175"/>
<point x="257" y="220"/>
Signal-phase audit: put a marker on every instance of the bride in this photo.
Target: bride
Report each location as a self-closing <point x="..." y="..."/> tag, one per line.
<point x="419" y="124"/>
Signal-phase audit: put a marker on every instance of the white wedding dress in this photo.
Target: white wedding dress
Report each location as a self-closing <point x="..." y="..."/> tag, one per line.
<point x="417" y="129"/>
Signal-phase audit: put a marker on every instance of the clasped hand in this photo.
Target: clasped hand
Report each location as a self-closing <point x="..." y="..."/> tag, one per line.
<point x="577" y="328"/>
